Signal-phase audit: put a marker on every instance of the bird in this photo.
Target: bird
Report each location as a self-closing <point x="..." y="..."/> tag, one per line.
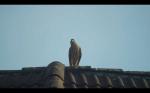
<point x="74" y="53"/>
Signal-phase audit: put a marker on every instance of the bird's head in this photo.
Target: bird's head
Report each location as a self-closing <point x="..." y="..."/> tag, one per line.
<point x="72" y="40"/>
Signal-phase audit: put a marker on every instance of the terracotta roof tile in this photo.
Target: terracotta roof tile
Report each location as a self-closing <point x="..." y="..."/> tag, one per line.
<point x="128" y="82"/>
<point x="34" y="77"/>
<point x="87" y="77"/>
<point x="97" y="82"/>
<point x="56" y="75"/>
<point x="146" y="83"/>
<point x="104" y="82"/>
<point x="121" y="82"/>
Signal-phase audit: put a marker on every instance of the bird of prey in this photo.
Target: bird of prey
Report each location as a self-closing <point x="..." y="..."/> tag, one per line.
<point x="74" y="53"/>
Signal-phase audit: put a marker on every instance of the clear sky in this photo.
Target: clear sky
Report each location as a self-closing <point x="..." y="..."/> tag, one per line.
<point x="111" y="36"/>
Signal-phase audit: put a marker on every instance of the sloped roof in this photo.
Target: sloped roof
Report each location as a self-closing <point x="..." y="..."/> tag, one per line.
<point x="34" y="77"/>
<point x="56" y="75"/>
<point x="87" y="77"/>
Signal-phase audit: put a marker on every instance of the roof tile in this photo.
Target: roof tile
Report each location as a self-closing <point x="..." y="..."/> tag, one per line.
<point x="55" y="75"/>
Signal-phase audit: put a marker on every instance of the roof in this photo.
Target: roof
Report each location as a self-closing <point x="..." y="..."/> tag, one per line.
<point x="57" y="75"/>
<point x="87" y="77"/>
<point x="33" y="77"/>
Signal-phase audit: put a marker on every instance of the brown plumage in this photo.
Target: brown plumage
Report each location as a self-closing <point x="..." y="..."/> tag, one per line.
<point x="74" y="53"/>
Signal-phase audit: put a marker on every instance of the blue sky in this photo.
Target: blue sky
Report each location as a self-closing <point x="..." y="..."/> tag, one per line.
<point x="111" y="36"/>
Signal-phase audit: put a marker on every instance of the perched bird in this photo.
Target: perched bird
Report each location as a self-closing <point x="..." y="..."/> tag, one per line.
<point x="74" y="53"/>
